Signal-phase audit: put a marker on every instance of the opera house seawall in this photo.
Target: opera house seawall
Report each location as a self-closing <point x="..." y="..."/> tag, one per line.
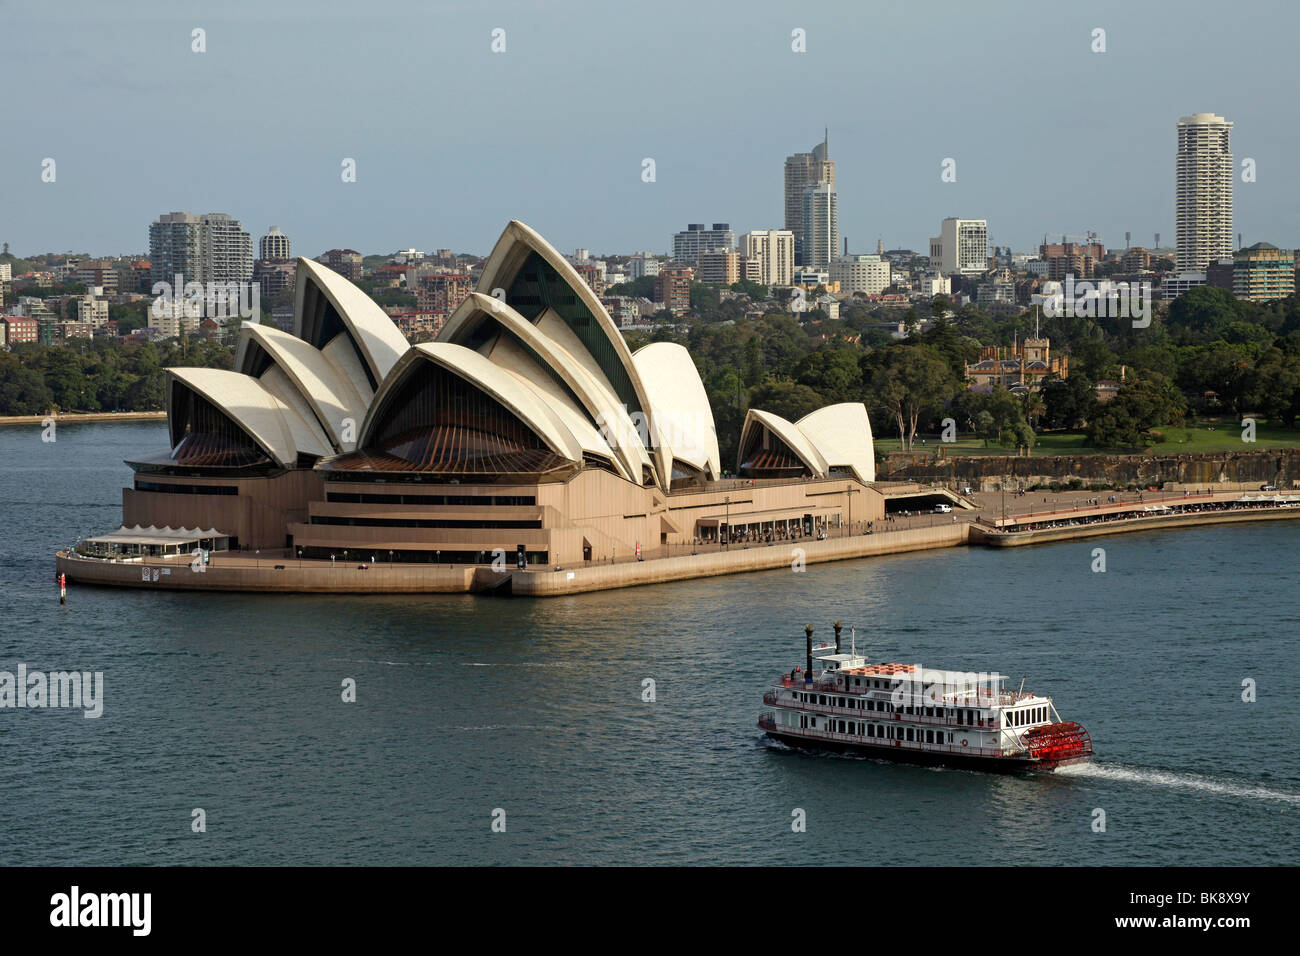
<point x="527" y="447"/>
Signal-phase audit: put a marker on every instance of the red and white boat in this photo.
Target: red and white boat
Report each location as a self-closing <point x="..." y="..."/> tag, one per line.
<point x="909" y="713"/>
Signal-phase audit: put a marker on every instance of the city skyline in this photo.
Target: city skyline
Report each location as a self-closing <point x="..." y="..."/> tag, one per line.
<point x="1024" y="162"/>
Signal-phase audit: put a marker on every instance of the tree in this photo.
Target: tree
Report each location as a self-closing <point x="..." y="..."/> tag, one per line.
<point x="788" y="399"/>
<point x="1227" y="370"/>
<point x="1127" y="419"/>
<point x="1034" y="407"/>
<point x="1094" y="359"/>
<point x="1277" y="387"/>
<point x="22" y="390"/>
<point x="750" y="288"/>
<point x="911" y="380"/>
<point x="639" y="288"/>
<point x="704" y="298"/>
<point x="1067" y="402"/>
<point x="833" y="373"/>
<point x="1200" y="314"/>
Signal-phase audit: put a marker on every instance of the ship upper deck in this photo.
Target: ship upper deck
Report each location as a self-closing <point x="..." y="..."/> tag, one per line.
<point x="851" y="675"/>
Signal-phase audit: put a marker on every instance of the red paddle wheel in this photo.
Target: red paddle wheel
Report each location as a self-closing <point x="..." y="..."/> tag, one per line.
<point x="1063" y="742"/>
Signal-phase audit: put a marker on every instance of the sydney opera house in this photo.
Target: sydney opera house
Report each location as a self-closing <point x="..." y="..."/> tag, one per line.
<point x="527" y="428"/>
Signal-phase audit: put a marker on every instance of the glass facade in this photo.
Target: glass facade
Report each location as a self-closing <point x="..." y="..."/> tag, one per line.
<point x="537" y="287"/>
<point x="203" y="436"/>
<point x="766" y="456"/>
<point x="436" y="422"/>
<point x="321" y="324"/>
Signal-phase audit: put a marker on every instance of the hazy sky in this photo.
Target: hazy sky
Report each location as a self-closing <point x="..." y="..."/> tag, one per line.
<point x="451" y="140"/>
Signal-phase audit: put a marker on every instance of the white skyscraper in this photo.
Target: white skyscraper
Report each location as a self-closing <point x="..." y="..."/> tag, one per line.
<point x="961" y="246"/>
<point x="274" y="245"/>
<point x="814" y="168"/>
<point x="227" y="249"/>
<point x="1204" y="206"/>
<point x="773" y="250"/>
<point x="208" y="248"/>
<point x="821" y="226"/>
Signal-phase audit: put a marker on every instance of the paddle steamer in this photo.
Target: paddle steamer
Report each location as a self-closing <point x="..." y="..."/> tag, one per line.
<point x="918" y="715"/>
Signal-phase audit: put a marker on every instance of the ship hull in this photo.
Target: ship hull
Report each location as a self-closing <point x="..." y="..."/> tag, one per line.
<point x="926" y="758"/>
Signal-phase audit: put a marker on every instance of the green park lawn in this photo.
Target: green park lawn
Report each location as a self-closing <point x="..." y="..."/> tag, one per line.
<point x="1204" y="435"/>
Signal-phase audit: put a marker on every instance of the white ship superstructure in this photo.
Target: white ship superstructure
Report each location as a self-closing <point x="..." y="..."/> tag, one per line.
<point x="909" y="712"/>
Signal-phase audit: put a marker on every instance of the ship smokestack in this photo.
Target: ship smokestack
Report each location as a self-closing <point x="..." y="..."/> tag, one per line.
<point x="838" y="626"/>
<point x="807" y="675"/>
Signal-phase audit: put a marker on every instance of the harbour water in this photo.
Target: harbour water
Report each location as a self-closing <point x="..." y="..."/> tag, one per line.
<point x="468" y="705"/>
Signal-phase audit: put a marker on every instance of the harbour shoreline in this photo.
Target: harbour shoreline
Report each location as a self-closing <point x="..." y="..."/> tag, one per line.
<point x="240" y="571"/>
<point x="73" y="418"/>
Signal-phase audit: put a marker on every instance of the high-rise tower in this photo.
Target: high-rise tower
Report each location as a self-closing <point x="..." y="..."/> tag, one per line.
<point x="1205" y="173"/>
<point x="821" y="226"/>
<point x="274" y="245"/>
<point x="814" y="168"/>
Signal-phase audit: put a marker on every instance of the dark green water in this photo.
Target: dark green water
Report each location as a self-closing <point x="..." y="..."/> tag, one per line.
<point x="465" y="705"/>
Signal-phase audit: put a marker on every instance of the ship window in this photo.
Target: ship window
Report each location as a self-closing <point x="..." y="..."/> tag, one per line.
<point x="909" y="733"/>
<point x="929" y="736"/>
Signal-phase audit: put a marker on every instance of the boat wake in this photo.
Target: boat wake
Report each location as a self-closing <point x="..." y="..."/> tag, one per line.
<point x="1178" y="781"/>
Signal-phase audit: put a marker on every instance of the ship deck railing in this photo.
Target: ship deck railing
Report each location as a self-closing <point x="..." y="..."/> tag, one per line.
<point x="767" y="721"/>
<point x="880" y="716"/>
<point x="1005" y="698"/>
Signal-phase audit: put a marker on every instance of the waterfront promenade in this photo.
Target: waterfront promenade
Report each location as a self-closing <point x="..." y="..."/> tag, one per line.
<point x="999" y="521"/>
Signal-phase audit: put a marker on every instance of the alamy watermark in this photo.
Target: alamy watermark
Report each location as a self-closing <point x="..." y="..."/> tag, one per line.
<point x="931" y="688"/>
<point x="37" y="690"/>
<point x="212" y="300"/>
<point x="1101" y="300"/>
<point x="687" y="432"/>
